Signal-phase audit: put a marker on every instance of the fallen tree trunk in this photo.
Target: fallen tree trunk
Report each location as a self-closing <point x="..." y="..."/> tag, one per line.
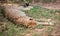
<point x="18" y="16"/>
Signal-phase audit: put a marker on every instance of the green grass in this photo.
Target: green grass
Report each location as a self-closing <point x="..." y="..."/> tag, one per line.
<point x="36" y="12"/>
<point x="39" y="26"/>
<point x="39" y="12"/>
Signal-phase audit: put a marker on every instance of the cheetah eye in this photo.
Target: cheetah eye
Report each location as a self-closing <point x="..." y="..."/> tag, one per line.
<point x="30" y="19"/>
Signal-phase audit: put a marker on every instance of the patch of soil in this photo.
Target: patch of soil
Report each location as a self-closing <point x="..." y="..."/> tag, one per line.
<point x="55" y="6"/>
<point x="56" y="30"/>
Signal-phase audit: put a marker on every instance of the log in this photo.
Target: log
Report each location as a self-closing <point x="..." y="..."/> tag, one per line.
<point x="18" y="16"/>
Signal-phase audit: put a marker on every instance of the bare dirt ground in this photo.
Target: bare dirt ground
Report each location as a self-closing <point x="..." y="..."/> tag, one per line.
<point x="55" y="6"/>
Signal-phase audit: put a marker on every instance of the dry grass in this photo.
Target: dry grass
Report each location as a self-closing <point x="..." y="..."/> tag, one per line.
<point x="18" y="30"/>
